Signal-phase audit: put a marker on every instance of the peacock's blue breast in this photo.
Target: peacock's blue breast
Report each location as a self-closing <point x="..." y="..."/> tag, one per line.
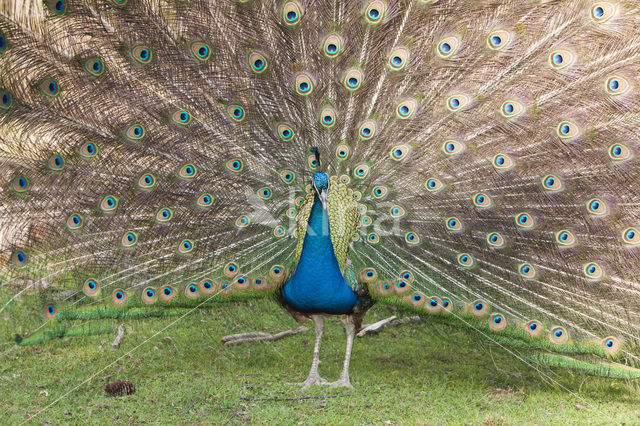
<point x="317" y="284"/>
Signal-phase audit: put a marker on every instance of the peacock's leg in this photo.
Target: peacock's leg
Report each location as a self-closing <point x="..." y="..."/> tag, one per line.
<point x="314" y="378"/>
<point x="350" y="329"/>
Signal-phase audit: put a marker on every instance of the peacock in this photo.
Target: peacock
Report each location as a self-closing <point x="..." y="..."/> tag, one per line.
<point x="472" y="161"/>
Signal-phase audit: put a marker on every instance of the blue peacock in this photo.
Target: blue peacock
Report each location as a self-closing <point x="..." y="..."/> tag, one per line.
<point x="474" y="162"/>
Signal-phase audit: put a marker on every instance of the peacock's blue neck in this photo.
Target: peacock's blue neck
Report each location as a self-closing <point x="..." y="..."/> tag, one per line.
<point x="317" y="285"/>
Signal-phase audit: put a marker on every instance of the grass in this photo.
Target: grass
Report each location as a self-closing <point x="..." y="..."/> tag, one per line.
<point x="421" y="373"/>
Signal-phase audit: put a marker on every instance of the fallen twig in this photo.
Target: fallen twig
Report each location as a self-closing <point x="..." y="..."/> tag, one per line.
<point x="236" y="339"/>
<point x="303" y="397"/>
<point x="392" y="321"/>
<point x="118" y="339"/>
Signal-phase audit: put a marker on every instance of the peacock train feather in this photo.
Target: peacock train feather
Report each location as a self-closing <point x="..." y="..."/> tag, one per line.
<point x="472" y="160"/>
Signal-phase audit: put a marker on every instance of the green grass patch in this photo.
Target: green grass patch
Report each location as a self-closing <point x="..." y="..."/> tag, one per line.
<point x="429" y="372"/>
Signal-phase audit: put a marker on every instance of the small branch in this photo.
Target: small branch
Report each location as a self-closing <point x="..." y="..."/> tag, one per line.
<point x="302" y="397"/>
<point x="236" y="339"/>
<point x="118" y="339"/>
<point x="392" y="321"/>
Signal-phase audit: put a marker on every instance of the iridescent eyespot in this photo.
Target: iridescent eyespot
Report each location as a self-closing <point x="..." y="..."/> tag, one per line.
<point x="57" y="7"/>
<point x="149" y="295"/>
<point x="91" y="287"/>
<point x="367" y="130"/>
<point x="353" y="79"/>
<point x="164" y="215"/>
<point x="433" y="185"/>
<point x="597" y="207"/>
<point x="3" y="44"/>
<point x="49" y="87"/>
<point x="631" y="236"/>
<point x="559" y="335"/>
<point x="361" y="171"/>
<point x="407" y="276"/>
<point x="19" y="258"/>
<point x="611" y="345"/>
<point x="332" y="45"/>
<point x="375" y="11"/>
<point x="243" y="221"/>
<point x="20" y="184"/>
<point x="593" y="271"/>
<point x="185" y="246"/>
<point x="135" y="132"/>
<point x="479" y="308"/>
<point x="188" y="171"/>
<point x="141" y="54"/>
<point x="498" y="39"/>
<point x="617" y="85"/>
<point x="366" y="220"/>
<point x="510" y="109"/>
<point x="496" y="240"/>
<point x="6" y="100"/>
<point x="502" y="162"/>
<point x="452" y="147"/>
<point x="236" y="112"/>
<point x="191" y="291"/>
<point x="200" y="50"/>
<point x="235" y="165"/>
<point x="342" y="152"/>
<point x="411" y="238"/>
<point x="206" y="287"/>
<point x="345" y="179"/>
<point x="379" y="192"/>
<point x="167" y="294"/>
<point x="181" y="117"/>
<point x="303" y="84"/>
<point x="312" y="161"/>
<point x="465" y="260"/>
<point x="527" y="271"/>
<point x="285" y="132"/>
<point x="497" y="322"/>
<point x="619" y="152"/>
<point x="447" y="47"/>
<point x="561" y="58"/>
<point x="416" y="299"/>
<point x="552" y="183"/>
<point x="265" y="192"/>
<point x="55" y="163"/>
<point x="398" y="59"/>
<point x="406" y="108"/>
<point x="291" y="213"/>
<point x="94" y="66"/>
<point x="368" y="275"/>
<point x="373" y="238"/>
<point x="433" y="305"/>
<point x="566" y="238"/>
<point x="397" y="211"/>
<point x="457" y="102"/>
<point x="291" y="13"/>
<point x="453" y="224"/>
<point x="50" y="312"/>
<point x="287" y="176"/>
<point x="277" y="273"/>
<point x="399" y="152"/>
<point x="241" y="282"/>
<point x="109" y="203"/>
<point x="231" y="269"/>
<point x="75" y="221"/>
<point x="279" y="231"/>
<point x="525" y="221"/>
<point x="567" y="130"/>
<point x="146" y="181"/>
<point x="482" y="200"/>
<point x="257" y="62"/>
<point x="88" y="150"/>
<point x="534" y="328"/>
<point x="328" y="117"/>
<point x="129" y="239"/>
<point x="205" y="200"/>
<point x="602" y="11"/>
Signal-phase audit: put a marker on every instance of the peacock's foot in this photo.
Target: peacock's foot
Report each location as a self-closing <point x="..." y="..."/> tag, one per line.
<point x="342" y="382"/>
<point x="313" y="379"/>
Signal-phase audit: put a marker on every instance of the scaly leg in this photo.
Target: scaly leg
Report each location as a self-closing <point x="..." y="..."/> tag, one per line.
<point x="314" y="378"/>
<point x="350" y="329"/>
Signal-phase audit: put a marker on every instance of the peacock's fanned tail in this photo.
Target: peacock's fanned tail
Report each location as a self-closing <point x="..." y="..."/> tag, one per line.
<point x="155" y="155"/>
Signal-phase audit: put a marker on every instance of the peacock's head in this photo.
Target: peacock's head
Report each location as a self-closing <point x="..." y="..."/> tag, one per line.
<point x="320" y="180"/>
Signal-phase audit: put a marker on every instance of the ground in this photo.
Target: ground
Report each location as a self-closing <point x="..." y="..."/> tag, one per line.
<point x="424" y="373"/>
